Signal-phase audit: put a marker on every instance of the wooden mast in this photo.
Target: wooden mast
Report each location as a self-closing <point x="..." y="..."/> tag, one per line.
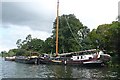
<point x="57" y="28"/>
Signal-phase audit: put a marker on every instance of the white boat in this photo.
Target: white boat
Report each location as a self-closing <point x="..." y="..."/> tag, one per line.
<point x="10" y="58"/>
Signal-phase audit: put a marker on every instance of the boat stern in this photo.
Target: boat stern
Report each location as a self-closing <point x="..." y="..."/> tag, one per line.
<point x="105" y="57"/>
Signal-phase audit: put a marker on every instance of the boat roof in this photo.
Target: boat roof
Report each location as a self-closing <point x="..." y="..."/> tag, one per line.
<point x="70" y="53"/>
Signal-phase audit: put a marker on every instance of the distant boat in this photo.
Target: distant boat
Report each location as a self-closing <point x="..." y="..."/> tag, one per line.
<point x="33" y="59"/>
<point x="10" y="58"/>
<point x="86" y="57"/>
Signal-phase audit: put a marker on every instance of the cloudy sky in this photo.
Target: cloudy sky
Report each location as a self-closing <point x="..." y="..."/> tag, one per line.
<point x="18" y="18"/>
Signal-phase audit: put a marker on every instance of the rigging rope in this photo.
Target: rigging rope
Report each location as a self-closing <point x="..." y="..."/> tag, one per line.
<point x="72" y="32"/>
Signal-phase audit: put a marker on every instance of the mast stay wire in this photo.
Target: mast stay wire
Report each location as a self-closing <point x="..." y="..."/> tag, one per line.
<point x="72" y="32"/>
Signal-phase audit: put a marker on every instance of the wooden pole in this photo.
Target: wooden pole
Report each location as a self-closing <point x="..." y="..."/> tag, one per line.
<point x="57" y="28"/>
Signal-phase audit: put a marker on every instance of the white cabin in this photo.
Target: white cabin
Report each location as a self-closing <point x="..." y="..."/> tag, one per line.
<point x="82" y="57"/>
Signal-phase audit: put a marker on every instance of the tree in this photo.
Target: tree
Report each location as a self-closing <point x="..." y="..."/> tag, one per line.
<point x="25" y="44"/>
<point x="22" y="52"/>
<point x="71" y="33"/>
<point x="48" y="46"/>
<point x="36" y="45"/>
<point x="18" y="43"/>
<point x="28" y="38"/>
<point x="12" y="52"/>
<point x="4" y="53"/>
<point x="90" y="41"/>
<point x="106" y="36"/>
<point x="115" y="39"/>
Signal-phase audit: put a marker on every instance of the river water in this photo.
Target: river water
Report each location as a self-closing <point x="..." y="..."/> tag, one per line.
<point x="11" y="69"/>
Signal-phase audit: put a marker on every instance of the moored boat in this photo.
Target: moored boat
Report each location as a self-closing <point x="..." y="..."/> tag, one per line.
<point x="26" y="60"/>
<point x="87" y="57"/>
<point x="10" y="58"/>
<point x="33" y="59"/>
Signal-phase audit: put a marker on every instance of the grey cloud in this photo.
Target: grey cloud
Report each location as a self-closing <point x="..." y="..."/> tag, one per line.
<point x="119" y="11"/>
<point x="119" y="8"/>
<point x="14" y="14"/>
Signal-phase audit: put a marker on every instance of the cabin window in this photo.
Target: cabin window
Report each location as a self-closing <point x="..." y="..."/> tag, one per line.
<point x="90" y="57"/>
<point x="81" y="57"/>
<point x="78" y="57"/>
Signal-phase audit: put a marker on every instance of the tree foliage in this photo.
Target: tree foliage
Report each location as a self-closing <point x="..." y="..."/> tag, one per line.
<point x="106" y="36"/>
<point x="22" y="52"/>
<point x="48" y="46"/>
<point x="32" y="44"/>
<point x="71" y="33"/>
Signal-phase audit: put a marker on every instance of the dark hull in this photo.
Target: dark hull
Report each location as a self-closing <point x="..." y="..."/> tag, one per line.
<point x="27" y="61"/>
<point x="72" y="63"/>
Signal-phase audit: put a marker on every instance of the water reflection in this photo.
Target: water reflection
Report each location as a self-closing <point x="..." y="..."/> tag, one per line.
<point x="18" y="70"/>
<point x="62" y="71"/>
